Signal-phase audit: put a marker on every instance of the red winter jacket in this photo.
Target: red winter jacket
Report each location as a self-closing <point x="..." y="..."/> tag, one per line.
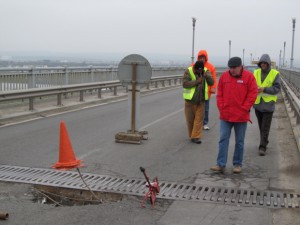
<point x="236" y="96"/>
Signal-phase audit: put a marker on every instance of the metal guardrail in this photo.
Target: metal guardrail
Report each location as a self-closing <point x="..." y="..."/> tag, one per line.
<point x="291" y="93"/>
<point x="26" y="78"/>
<point x="292" y="98"/>
<point x="292" y="77"/>
<point x="40" y="77"/>
<point x="291" y="86"/>
<point x="31" y="94"/>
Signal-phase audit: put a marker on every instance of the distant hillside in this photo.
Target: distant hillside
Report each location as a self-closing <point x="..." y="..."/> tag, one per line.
<point x="108" y="58"/>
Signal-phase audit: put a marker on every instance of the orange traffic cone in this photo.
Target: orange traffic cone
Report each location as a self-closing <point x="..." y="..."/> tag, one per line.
<point x="67" y="159"/>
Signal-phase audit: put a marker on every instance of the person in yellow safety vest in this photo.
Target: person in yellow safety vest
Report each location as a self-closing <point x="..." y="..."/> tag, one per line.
<point x="268" y="82"/>
<point x="196" y="80"/>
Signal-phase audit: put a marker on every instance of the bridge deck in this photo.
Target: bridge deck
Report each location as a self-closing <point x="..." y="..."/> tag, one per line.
<point x="169" y="155"/>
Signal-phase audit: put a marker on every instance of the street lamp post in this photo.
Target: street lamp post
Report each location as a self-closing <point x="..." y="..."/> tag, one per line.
<point x="250" y="58"/>
<point x="279" y="64"/>
<point x="194" y="23"/>
<point x="283" y="60"/>
<point x="292" y="54"/>
<point x="229" y="48"/>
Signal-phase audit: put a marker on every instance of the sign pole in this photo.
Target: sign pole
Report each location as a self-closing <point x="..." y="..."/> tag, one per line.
<point x="133" y="72"/>
<point x="133" y="103"/>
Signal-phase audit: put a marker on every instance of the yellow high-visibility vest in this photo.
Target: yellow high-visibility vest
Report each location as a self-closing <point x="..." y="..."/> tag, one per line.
<point x="268" y="82"/>
<point x="188" y="93"/>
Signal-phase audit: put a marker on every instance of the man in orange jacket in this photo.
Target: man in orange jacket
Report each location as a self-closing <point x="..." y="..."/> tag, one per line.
<point x="203" y="56"/>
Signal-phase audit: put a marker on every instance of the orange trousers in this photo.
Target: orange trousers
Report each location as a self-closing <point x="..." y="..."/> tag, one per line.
<point x="194" y="115"/>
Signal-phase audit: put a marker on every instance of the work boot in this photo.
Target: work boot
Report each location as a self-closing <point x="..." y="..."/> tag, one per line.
<point x="262" y="151"/>
<point x="196" y="140"/>
<point x="217" y="168"/>
<point x="237" y="169"/>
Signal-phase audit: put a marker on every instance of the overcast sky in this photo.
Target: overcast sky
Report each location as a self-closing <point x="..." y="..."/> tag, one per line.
<point x="151" y="26"/>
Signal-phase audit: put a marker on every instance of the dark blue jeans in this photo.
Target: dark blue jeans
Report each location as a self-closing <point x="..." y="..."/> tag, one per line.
<point x="225" y="132"/>
<point x="205" y="121"/>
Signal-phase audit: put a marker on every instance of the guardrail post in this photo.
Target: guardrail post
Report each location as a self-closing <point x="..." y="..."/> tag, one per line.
<point x="156" y="84"/>
<point x="81" y="96"/>
<point x="175" y="81"/>
<point x="99" y="92"/>
<point x="112" y="73"/>
<point x="91" y="71"/>
<point x="31" y="79"/>
<point x="170" y="82"/>
<point x="151" y="83"/>
<point x="115" y="90"/>
<point x="148" y="86"/>
<point x="66" y="80"/>
<point x="163" y="83"/>
<point x="59" y="99"/>
<point x="31" y="107"/>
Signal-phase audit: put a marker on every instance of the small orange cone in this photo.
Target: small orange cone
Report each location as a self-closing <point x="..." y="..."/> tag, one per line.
<point x="67" y="159"/>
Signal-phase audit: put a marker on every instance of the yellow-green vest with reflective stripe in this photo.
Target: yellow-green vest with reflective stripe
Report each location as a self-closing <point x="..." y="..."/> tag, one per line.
<point x="188" y="93"/>
<point x="268" y="82"/>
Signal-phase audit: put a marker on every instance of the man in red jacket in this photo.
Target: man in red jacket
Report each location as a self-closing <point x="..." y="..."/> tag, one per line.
<point x="237" y="92"/>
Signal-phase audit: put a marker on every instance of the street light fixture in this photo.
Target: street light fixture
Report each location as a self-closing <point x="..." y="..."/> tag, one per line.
<point x="292" y="55"/>
<point x="194" y="23"/>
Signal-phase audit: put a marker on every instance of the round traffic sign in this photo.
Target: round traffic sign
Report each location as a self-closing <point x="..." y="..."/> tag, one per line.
<point x="143" y="69"/>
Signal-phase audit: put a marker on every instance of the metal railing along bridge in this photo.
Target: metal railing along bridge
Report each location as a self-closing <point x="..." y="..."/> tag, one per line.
<point x="27" y="78"/>
<point x="40" y="77"/>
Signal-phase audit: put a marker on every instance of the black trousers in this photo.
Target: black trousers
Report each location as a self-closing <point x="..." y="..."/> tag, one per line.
<point x="264" y="122"/>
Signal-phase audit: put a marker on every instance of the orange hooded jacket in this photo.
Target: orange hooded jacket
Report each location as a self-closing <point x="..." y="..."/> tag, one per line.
<point x="211" y="89"/>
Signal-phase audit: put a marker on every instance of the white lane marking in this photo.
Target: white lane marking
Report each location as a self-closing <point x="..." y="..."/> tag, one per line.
<point x="162" y="118"/>
<point x="90" y="152"/>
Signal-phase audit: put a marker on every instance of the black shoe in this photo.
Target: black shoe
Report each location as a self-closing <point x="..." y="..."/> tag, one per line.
<point x="262" y="151"/>
<point x="196" y="140"/>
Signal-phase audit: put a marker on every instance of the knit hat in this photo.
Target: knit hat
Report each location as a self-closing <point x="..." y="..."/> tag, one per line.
<point x="199" y="65"/>
<point x="234" y="62"/>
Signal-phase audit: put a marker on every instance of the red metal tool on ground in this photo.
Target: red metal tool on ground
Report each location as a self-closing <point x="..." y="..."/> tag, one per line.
<point x="153" y="189"/>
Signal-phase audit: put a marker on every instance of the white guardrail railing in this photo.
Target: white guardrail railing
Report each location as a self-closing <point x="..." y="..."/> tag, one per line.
<point x="32" y="86"/>
<point x="63" y="81"/>
<point x="291" y="93"/>
<point x="98" y="87"/>
<point x="27" y="78"/>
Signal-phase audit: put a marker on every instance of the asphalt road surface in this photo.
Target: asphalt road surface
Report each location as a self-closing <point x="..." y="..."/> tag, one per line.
<point x="167" y="154"/>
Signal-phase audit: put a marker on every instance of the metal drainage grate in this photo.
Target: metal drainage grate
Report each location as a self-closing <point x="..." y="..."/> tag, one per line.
<point x="168" y="190"/>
